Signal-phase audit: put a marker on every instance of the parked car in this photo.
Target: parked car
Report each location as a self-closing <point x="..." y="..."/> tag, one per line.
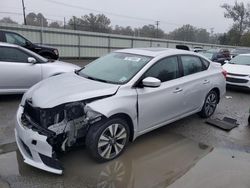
<point x="217" y="55"/>
<point x="198" y="49"/>
<point x="238" y="51"/>
<point x="112" y="101"/>
<point x="20" y="68"/>
<point x="238" y="71"/>
<point x="15" y="38"/>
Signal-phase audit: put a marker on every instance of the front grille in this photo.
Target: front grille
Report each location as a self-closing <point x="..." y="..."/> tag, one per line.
<point x="26" y="148"/>
<point x="236" y="80"/>
<point x="241" y="75"/>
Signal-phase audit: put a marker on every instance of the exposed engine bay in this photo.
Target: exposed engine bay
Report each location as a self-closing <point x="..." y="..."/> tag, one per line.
<point x="63" y="125"/>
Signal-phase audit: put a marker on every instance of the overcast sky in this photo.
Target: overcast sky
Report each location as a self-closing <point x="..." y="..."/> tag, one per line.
<point x="136" y="13"/>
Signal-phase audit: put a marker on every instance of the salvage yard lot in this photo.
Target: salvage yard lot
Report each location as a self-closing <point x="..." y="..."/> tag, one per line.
<point x="180" y="145"/>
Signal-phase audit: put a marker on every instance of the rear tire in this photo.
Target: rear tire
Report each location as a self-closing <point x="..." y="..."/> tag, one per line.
<point x="107" y="141"/>
<point x="209" y="105"/>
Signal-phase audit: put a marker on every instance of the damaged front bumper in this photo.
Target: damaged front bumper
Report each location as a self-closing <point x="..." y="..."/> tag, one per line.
<point x="34" y="147"/>
<point x="38" y="143"/>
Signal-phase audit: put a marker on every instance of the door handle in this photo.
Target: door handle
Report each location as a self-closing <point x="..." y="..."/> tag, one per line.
<point x="206" y="81"/>
<point x="177" y="90"/>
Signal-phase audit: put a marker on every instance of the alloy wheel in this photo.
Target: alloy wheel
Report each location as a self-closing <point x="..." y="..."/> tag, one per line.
<point x="210" y="104"/>
<point x="112" y="141"/>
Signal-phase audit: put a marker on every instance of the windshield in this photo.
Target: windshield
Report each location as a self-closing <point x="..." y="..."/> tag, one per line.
<point x="116" y="68"/>
<point x="241" y="60"/>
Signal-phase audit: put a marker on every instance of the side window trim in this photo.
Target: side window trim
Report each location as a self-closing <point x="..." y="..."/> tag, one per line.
<point x="2" y="36"/>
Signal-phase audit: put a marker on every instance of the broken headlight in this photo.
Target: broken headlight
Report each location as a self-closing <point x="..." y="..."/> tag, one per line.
<point x="91" y="115"/>
<point x="74" y="110"/>
<point x="50" y="117"/>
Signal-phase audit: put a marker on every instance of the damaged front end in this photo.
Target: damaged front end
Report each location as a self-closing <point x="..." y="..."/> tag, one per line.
<point x="56" y="130"/>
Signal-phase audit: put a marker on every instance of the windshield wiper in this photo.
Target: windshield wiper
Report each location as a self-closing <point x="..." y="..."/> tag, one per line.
<point x="93" y="78"/>
<point x="96" y="79"/>
<point x="78" y="70"/>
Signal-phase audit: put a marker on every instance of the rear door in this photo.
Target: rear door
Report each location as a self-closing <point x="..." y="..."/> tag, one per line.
<point x="15" y="71"/>
<point x="195" y="82"/>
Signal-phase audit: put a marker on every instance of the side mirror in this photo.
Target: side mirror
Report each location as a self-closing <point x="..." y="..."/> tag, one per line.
<point x="31" y="60"/>
<point x="151" y="82"/>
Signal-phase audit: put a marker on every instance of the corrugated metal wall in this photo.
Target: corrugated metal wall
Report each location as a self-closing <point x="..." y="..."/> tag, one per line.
<point x="81" y="44"/>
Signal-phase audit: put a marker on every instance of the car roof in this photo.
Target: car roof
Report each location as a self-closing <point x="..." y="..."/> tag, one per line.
<point x="8" y="44"/>
<point x="154" y="52"/>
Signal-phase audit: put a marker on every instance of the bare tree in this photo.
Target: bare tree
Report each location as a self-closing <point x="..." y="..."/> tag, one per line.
<point x="36" y="19"/>
<point x="7" y="20"/>
<point x="54" y="25"/>
<point x="239" y="13"/>
<point x="97" y="23"/>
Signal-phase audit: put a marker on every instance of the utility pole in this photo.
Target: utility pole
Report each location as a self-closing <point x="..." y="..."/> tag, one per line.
<point x="64" y="23"/>
<point x="157" y="27"/>
<point x="74" y="18"/>
<point x="24" y="16"/>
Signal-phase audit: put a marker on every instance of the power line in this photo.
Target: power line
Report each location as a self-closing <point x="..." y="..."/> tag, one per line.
<point x="94" y="10"/>
<point x="111" y="13"/>
<point x="14" y="13"/>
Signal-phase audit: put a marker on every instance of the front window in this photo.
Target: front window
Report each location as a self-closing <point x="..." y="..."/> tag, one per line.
<point x="8" y="54"/>
<point x="165" y="70"/>
<point x="117" y="68"/>
<point x="241" y="60"/>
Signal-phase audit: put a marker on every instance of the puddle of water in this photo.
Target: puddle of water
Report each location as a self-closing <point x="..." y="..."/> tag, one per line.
<point x="154" y="160"/>
<point x="6" y="148"/>
<point x="221" y="168"/>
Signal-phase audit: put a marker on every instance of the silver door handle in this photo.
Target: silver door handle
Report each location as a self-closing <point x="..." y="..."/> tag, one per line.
<point x="206" y="82"/>
<point x="177" y="90"/>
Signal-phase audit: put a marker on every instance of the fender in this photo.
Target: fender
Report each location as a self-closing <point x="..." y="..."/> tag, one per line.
<point x="124" y="102"/>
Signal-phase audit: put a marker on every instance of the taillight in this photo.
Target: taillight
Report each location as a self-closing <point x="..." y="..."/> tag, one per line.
<point x="224" y="73"/>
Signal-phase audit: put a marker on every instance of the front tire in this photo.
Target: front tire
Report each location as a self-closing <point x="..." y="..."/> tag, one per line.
<point x="210" y="104"/>
<point x="107" y="141"/>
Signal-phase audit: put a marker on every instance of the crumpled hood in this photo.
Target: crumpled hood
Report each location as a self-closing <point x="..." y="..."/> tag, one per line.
<point x="237" y="69"/>
<point x="65" y="88"/>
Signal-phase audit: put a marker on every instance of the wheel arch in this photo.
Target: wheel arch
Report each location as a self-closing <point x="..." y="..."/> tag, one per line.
<point x="128" y="119"/>
<point x="217" y="90"/>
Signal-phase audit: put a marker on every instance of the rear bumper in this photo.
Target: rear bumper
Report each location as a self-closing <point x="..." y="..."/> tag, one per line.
<point x="34" y="147"/>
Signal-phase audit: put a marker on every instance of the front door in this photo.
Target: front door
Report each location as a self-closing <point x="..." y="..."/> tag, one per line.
<point x="158" y="105"/>
<point x="15" y="71"/>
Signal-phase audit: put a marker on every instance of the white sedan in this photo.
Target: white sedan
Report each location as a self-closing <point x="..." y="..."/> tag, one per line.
<point x="238" y="71"/>
<point x="112" y="101"/>
<point x="20" y="68"/>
